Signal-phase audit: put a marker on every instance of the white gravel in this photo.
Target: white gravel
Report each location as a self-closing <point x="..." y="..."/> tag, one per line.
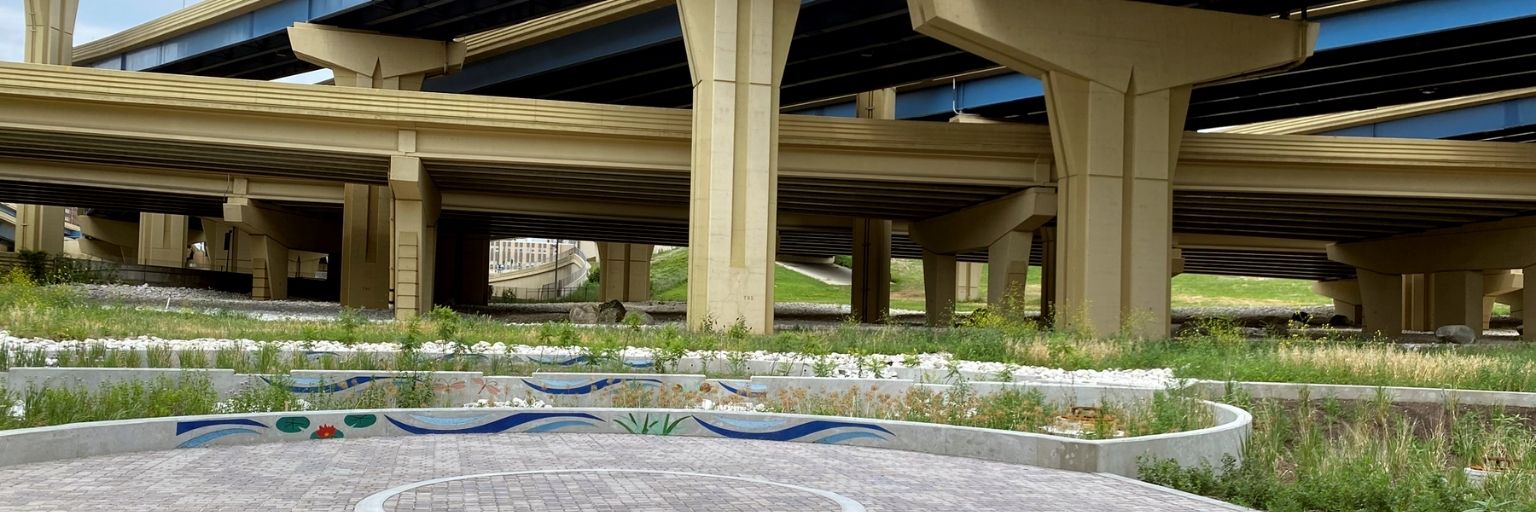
<point x="840" y="365"/>
<point x="200" y="300"/>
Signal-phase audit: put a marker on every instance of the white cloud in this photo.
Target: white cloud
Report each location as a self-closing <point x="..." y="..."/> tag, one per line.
<point x="312" y="77"/>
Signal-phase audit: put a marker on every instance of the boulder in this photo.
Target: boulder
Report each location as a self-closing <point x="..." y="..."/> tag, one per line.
<point x="640" y="318"/>
<point x="611" y="312"/>
<point x="584" y="314"/>
<point x="1459" y="334"/>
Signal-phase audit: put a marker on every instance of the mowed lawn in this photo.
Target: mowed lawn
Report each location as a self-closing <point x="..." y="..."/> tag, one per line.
<point x="669" y="282"/>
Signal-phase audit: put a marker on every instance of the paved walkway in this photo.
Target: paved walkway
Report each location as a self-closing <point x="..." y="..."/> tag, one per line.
<point x="562" y="472"/>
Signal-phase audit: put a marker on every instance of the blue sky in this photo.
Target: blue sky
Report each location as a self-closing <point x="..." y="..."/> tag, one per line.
<point x="97" y="19"/>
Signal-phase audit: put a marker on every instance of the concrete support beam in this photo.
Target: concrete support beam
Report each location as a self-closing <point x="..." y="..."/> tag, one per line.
<point x="939" y="288"/>
<point x="1382" y="297"/>
<point x="365" y="246"/>
<point x="163" y="240"/>
<point x="115" y="232"/>
<point x="871" y="270"/>
<point x="40" y="228"/>
<point x="626" y="274"/>
<point x="50" y="35"/>
<point x="1008" y="271"/>
<point x="978" y="227"/>
<point x="416" y="208"/>
<point x="736" y="55"/>
<point x="1457" y="299"/>
<point x="1118" y="76"/>
<point x="374" y="61"/>
<point x="269" y="267"/>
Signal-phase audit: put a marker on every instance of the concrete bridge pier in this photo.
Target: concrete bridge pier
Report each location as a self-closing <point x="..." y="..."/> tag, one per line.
<point x="365" y="246"/>
<point x="162" y="240"/>
<point x="378" y="61"/>
<point x="736" y="55"/>
<point x="626" y="271"/>
<point x="417" y="205"/>
<point x="49" y="40"/>
<point x="1001" y="226"/>
<point x="1441" y="277"/>
<point x="1117" y="79"/>
<point x="871" y="290"/>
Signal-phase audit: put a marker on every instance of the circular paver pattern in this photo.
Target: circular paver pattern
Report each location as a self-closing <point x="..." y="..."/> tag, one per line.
<point x="337" y="475"/>
<point x="563" y="489"/>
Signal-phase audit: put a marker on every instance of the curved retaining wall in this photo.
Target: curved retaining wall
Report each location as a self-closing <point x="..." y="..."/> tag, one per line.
<point x="1116" y="456"/>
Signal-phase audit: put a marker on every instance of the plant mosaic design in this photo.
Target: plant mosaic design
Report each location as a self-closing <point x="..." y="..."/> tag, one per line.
<point x="662" y="426"/>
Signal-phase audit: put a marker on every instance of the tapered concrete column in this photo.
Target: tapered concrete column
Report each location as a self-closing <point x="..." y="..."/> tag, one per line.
<point x="1457" y="299"/>
<point x="365" y="246"/>
<point x="871" y="270"/>
<point x="269" y="267"/>
<point x="373" y="61"/>
<point x="736" y="55"/>
<point x="1117" y="78"/>
<point x="50" y="35"/>
<point x="1382" y="308"/>
<point x="1008" y="271"/>
<point x="40" y="228"/>
<point x="626" y="274"/>
<point x="162" y="240"/>
<point x="967" y="281"/>
<point x="939" y="288"/>
<point x="416" y="208"/>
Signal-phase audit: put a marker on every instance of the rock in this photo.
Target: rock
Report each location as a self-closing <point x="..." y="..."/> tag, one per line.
<point x="1459" y="334"/>
<point x="639" y="318"/>
<point x="610" y="312"/>
<point x="584" y="314"/>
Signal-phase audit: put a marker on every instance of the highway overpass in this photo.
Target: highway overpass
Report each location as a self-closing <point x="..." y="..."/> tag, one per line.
<point x="1112" y="207"/>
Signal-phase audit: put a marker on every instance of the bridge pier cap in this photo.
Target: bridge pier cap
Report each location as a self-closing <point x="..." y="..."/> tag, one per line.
<point x="1117" y="78"/>
<point x="376" y="61"/>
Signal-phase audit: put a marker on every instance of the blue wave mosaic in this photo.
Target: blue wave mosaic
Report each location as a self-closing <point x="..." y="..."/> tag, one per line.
<point x="501" y="425"/>
<point x="799" y="431"/>
<point x="589" y="387"/>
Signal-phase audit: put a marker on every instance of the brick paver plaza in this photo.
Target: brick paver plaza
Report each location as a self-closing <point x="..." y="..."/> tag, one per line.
<point x="654" y="475"/>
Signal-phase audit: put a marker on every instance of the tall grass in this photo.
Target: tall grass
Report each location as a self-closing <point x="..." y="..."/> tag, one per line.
<point x="1328" y="456"/>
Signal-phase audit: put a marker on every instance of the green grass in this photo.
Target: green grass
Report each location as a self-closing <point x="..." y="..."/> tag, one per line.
<point x="669" y="281"/>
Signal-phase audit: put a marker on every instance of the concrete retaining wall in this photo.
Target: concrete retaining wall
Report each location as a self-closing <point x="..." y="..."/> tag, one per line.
<point x="579" y="396"/>
<point x="112" y="437"/>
